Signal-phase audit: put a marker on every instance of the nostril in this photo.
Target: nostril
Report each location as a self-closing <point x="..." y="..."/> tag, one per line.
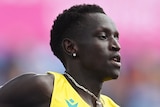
<point x="114" y="45"/>
<point x="115" y="48"/>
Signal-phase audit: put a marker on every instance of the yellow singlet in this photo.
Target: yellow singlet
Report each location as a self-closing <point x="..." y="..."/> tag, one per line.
<point x="64" y="95"/>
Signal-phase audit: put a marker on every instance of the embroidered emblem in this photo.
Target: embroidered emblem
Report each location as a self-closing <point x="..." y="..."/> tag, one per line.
<point x="71" y="103"/>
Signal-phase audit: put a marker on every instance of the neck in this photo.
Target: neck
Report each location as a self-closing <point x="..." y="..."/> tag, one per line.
<point x="96" y="100"/>
<point x="87" y="81"/>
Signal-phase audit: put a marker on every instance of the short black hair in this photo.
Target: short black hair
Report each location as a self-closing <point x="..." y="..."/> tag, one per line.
<point x="67" y="21"/>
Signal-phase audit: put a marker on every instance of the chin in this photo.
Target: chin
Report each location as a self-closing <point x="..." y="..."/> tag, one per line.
<point x="114" y="75"/>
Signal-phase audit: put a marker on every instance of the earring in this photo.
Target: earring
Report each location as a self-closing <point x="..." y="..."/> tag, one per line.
<point x="74" y="54"/>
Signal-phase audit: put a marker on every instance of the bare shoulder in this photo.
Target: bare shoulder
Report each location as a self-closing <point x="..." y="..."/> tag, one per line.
<point x="31" y="80"/>
<point x="27" y="89"/>
<point x="43" y="82"/>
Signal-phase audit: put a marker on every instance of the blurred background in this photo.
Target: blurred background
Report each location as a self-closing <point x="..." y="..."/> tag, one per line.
<point x="24" y="44"/>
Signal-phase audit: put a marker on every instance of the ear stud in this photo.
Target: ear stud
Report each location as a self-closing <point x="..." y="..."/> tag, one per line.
<point x="74" y="54"/>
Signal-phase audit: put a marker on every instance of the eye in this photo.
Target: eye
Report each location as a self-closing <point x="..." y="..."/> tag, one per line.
<point x="103" y="35"/>
<point x="116" y="36"/>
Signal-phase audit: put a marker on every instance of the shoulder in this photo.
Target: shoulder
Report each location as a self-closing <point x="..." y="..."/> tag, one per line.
<point x="31" y="81"/>
<point x="42" y="82"/>
<point x="31" y="87"/>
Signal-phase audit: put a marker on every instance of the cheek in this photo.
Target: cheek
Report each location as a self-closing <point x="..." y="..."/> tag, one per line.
<point x="94" y="56"/>
<point x="100" y="56"/>
<point x="94" y="51"/>
<point x="101" y="51"/>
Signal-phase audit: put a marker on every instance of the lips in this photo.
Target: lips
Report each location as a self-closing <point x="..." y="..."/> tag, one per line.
<point x="116" y="60"/>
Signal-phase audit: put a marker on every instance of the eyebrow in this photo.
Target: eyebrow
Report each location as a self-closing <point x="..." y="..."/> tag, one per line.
<point x="100" y="29"/>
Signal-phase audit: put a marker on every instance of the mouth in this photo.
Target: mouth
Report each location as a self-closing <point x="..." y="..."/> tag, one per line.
<point x="116" y="60"/>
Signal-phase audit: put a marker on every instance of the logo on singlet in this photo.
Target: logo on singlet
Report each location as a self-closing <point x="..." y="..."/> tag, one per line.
<point x="71" y="103"/>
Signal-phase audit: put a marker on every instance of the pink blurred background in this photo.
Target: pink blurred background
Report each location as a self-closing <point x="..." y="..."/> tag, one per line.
<point x="25" y="34"/>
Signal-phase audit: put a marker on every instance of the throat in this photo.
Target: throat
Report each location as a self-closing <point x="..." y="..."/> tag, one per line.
<point x="84" y="91"/>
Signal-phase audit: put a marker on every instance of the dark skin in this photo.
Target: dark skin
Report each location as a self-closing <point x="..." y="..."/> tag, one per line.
<point x="29" y="90"/>
<point x="97" y="60"/>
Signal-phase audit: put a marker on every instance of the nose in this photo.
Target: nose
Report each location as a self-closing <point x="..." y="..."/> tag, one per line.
<point x="114" y="45"/>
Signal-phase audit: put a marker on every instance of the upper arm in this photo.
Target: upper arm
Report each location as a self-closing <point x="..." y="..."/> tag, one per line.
<point x="26" y="89"/>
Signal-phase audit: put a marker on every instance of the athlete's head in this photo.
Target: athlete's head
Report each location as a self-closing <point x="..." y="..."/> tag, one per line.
<point x="68" y="24"/>
<point x="85" y="38"/>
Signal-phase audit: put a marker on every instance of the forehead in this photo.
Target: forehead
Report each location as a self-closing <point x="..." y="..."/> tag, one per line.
<point x="92" y="24"/>
<point x="95" y="21"/>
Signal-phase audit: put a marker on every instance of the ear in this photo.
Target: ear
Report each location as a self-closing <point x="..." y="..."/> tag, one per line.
<point x="69" y="46"/>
